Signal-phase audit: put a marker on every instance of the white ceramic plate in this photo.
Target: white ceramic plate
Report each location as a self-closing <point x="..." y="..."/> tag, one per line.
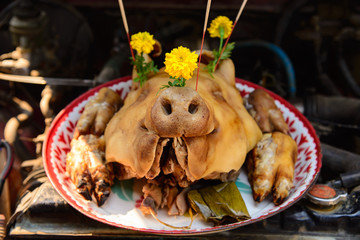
<point x="121" y="208"/>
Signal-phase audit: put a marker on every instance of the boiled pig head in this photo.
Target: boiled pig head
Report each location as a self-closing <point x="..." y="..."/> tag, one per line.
<point x="181" y="132"/>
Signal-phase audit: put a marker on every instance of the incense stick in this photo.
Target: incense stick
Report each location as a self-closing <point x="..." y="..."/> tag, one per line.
<point x="123" y="15"/>
<point x="202" y="41"/>
<point x="235" y="22"/>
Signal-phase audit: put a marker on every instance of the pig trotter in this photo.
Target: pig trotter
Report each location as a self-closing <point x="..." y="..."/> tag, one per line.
<point x="84" y="186"/>
<point x="86" y="168"/>
<point x="263" y="109"/>
<point x="271" y="167"/>
<point x="98" y="112"/>
<point x="101" y="192"/>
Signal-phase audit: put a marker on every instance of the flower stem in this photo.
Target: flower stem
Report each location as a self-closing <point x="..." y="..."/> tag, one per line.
<point x="223" y="49"/>
<point x="141" y="65"/>
<point x="222" y="32"/>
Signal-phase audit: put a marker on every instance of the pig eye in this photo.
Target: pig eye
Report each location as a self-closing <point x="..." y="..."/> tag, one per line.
<point x="193" y="108"/>
<point x="142" y="125"/>
<point x="166" y="106"/>
<point x="218" y="95"/>
<point x="143" y="96"/>
<point x="214" y="131"/>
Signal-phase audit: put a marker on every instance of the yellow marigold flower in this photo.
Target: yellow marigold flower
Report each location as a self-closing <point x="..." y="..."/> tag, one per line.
<point x="180" y="62"/>
<point x="142" y="42"/>
<point x="220" y="21"/>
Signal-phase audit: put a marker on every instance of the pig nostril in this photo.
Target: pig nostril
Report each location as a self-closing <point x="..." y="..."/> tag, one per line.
<point x="193" y="108"/>
<point x="166" y="106"/>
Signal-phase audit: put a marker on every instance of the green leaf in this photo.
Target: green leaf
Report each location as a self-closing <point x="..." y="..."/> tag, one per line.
<point x="178" y="82"/>
<point x="198" y="204"/>
<point x="226" y="54"/>
<point x="211" y="67"/>
<point x="216" y="54"/>
<point x="220" y="204"/>
<point x="228" y="49"/>
<point x="143" y="69"/>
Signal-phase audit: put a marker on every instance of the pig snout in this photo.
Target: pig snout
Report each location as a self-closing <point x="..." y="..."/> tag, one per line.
<point x="181" y="111"/>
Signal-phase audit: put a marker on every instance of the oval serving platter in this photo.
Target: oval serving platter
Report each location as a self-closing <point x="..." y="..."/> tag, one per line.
<point x="121" y="209"/>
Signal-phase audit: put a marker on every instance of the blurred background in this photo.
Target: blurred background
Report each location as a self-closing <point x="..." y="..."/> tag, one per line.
<point x="51" y="51"/>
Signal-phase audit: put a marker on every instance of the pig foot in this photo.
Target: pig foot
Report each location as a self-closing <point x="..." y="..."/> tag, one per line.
<point x="271" y="167"/>
<point x="84" y="186"/>
<point x="98" y="112"/>
<point x="86" y="168"/>
<point x="263" y="109"/>
<point x="102" y="191"/>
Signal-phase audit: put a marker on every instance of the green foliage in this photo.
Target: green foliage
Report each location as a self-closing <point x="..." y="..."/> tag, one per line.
<point x="228" y="49"/>
<point x="226" y="54"/>
<point x="143" y="69"/>
<point x="178" y="82"/>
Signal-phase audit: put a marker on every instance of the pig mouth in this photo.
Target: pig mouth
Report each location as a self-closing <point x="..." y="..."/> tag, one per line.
<point x="168" y="180"/>
<point x="170" y="165"/>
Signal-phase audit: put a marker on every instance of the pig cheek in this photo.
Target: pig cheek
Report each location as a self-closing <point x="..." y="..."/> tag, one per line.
<point x="145" y="146"/>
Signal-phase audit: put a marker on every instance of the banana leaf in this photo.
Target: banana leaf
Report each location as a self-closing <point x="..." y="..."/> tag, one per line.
<point x="221" y="203"/>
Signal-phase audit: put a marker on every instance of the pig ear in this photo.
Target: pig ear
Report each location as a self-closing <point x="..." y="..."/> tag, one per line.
<point x="206" y="56"/>
<point x="157" y="49"/>
<point x="226" y="68"/>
